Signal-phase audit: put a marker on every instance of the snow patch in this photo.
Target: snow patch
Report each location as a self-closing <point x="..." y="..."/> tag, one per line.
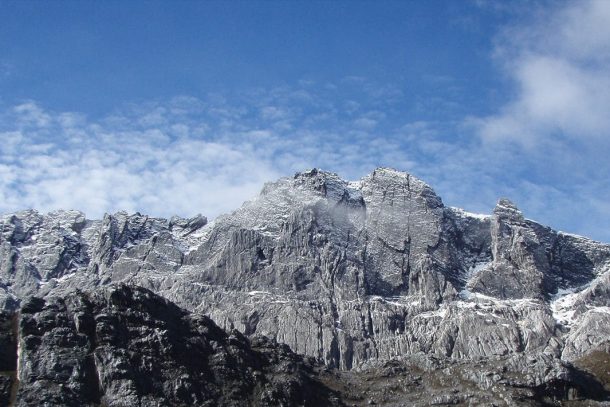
<point x="398" y="304"/>
<point x="258" y="293"/>
<point x="441" y="312"/>
<point x="563" y="302"/>
<point x="65" y="278"/>
<point x="469" y="275"/>
<point x="357" y="185"/>
<point x="572" y="235"/>
<point x="475" y="300"/>
<point x="602" y="310"/>
<point x="466" y="214"/>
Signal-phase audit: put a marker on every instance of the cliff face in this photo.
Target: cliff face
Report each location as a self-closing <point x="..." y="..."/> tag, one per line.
<point x="123" y="346"/>
<point x="352" y="274"/>
<point x="120" y="345"/>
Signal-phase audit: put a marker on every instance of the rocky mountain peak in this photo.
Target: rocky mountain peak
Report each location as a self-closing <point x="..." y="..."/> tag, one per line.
<point x="506" y="209"/>
<point x="351" y="274"/>
<point x="395" y="181"/>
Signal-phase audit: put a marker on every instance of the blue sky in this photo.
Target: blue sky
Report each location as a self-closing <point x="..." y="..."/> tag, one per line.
<point x="189" y="107"/>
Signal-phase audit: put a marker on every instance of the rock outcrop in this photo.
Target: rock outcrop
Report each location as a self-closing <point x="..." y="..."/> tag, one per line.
<point x="124" y="346"/>
<point x="352" y="274"/>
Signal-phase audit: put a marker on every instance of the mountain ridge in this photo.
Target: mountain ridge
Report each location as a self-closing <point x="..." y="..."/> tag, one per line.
<point x="350" y="273"/>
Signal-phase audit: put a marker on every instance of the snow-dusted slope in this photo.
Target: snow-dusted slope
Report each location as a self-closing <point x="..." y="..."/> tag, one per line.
<point x="347" y="272"/>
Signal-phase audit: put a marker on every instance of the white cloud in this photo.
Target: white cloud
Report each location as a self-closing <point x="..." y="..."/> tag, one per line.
<point x="104" y="169"/>
<point x="546" y="149"/>
<point x="29" y="114"/>
<point x="560" y="64"/>
<point x="183" y="156"/>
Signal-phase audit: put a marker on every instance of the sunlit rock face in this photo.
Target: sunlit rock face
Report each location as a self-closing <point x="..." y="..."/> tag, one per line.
<point x="349" y="273"/>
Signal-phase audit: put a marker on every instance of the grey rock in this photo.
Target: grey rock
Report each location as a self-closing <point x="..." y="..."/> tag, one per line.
<point x="123" y="346"/>
<point x="352" y="274"/>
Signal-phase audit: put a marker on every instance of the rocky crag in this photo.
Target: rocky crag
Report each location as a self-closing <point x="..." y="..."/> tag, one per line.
<point x="124" y="346"/>
<point x="355" y="276"/>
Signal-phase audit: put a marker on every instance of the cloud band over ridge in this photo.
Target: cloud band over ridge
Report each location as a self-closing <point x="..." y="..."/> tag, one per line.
<point x="546" y="147"/>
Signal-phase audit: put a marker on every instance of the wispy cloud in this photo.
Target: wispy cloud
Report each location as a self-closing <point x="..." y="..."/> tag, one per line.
<point x="6" y="69"/>
<point x="186" y="155"/>
<point x="560" y="65"/>
<point x="556" y="128"/>
<point x="140" y="161"/>
<point x="546" y="148"/>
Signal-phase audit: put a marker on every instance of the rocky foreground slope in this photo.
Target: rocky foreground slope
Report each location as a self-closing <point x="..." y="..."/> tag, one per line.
<point x="124" y="346"/>
<point x="356" y="276"/>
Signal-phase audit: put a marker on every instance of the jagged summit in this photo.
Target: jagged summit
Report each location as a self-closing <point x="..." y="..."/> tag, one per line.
<point x="507" y="209"/>
<point x="349" y="273"/>
<point x="381" y="175"/>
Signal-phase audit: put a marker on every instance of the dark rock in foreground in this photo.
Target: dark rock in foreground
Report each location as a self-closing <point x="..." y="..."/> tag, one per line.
<point x="125" y="346"/>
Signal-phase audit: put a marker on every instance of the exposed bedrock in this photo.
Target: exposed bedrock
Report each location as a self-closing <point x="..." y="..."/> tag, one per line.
<point x="125" y="346"/>
<point x="350" y="273"/>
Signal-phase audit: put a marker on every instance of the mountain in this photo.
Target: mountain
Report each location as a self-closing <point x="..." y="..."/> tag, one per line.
<point x="354" y="276"/>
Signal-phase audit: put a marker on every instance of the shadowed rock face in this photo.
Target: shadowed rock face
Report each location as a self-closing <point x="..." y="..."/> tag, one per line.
<point x="124" y="346"/>
<point x="349" y="273"/>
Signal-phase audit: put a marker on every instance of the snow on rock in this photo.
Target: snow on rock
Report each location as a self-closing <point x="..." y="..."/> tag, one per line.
<point x="349" y="272"/>
<point x="465" y="214"/>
